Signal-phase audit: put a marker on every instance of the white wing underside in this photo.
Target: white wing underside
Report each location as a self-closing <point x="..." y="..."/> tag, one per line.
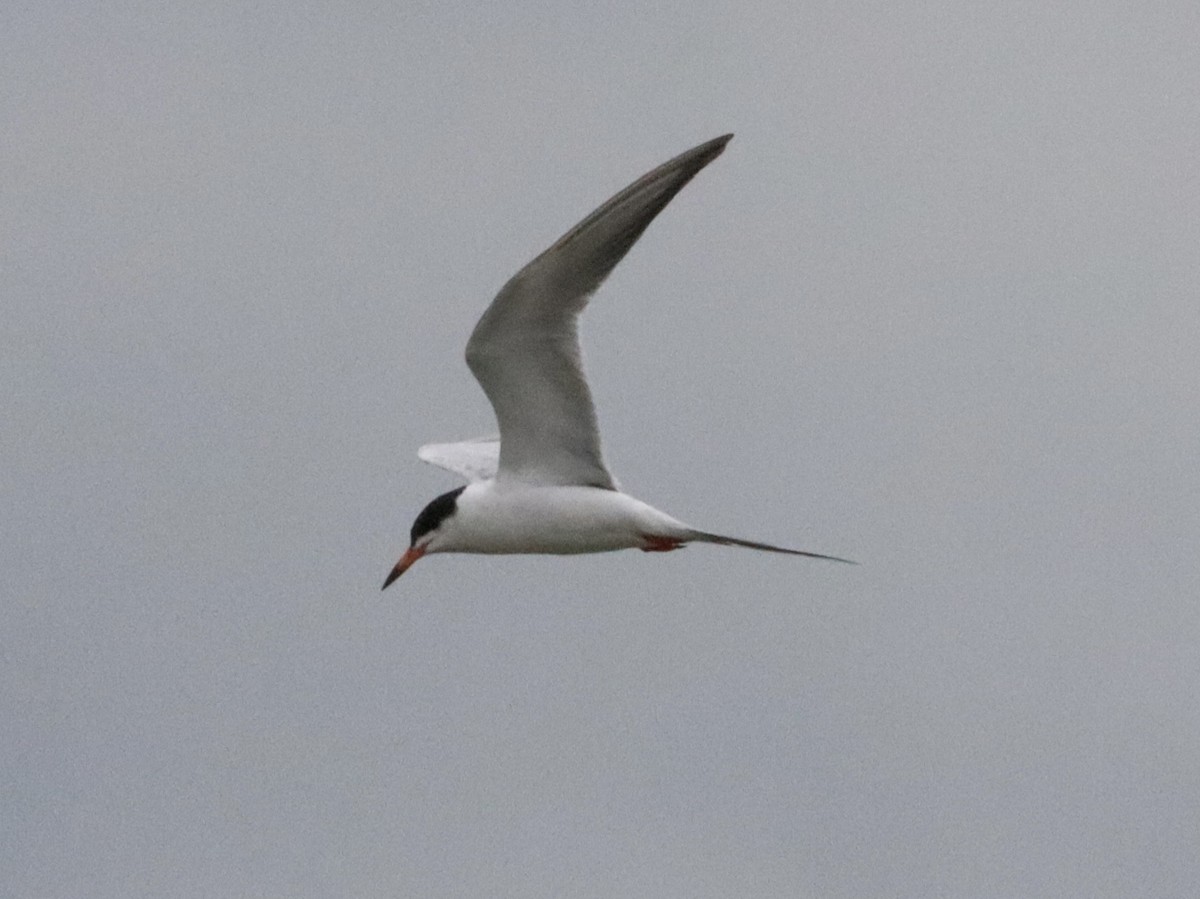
<point x="475" y="460"/>
<point x="525" y="349"/>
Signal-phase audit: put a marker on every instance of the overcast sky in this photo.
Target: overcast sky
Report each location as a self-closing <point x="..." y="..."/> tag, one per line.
<point x="937" y="309"/>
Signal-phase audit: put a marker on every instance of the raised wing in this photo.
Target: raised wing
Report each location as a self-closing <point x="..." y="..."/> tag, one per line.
<point x="525" y="349"/>
<point x="475" y="460"/>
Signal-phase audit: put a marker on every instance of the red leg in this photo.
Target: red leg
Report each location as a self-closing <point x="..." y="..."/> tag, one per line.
<point x="654" y="544"/>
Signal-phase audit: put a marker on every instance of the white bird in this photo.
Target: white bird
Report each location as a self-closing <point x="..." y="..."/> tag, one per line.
<point x="542" y="485"/>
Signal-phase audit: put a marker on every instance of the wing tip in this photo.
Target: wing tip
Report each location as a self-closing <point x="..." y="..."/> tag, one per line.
<point x="710" y="149"/>
<point x="475" y="459"/>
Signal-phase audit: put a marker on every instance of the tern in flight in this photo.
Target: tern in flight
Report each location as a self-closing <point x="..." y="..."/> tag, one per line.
<point x="542" y="486"/>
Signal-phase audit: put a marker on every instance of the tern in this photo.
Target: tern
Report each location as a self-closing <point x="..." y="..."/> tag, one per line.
<point x="542" y="486"/>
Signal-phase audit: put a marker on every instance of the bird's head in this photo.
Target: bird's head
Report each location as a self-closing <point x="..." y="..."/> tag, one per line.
<point x="429" y="532"/>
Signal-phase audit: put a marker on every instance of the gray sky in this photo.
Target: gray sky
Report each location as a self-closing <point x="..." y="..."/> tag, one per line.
<point x="935" y="309"/>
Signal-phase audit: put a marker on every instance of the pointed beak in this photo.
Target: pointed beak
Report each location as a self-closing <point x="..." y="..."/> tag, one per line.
<point x="410" y="555"/>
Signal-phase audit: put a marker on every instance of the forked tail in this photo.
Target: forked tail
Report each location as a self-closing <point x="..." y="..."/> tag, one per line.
<point x="703" y="537"/>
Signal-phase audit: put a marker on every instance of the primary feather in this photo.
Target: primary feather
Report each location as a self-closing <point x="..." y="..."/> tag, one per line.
<point x="525" y="349"/>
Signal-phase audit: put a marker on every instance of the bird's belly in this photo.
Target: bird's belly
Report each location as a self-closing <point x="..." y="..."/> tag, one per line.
<point x="560" y="541"/>
<point x="559" y="534"/>
<point x="562" y="520"/>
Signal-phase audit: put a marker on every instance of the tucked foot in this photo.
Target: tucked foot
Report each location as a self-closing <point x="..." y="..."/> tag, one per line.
<point x="652" y="544"/>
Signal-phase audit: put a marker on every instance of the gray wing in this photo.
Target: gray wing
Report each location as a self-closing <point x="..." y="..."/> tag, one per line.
<point x="525" y="349"/>
<point x="475" y="460"/>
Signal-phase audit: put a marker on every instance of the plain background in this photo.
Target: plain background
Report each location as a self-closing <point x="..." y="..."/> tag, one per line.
<point x="935" y="309"/>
